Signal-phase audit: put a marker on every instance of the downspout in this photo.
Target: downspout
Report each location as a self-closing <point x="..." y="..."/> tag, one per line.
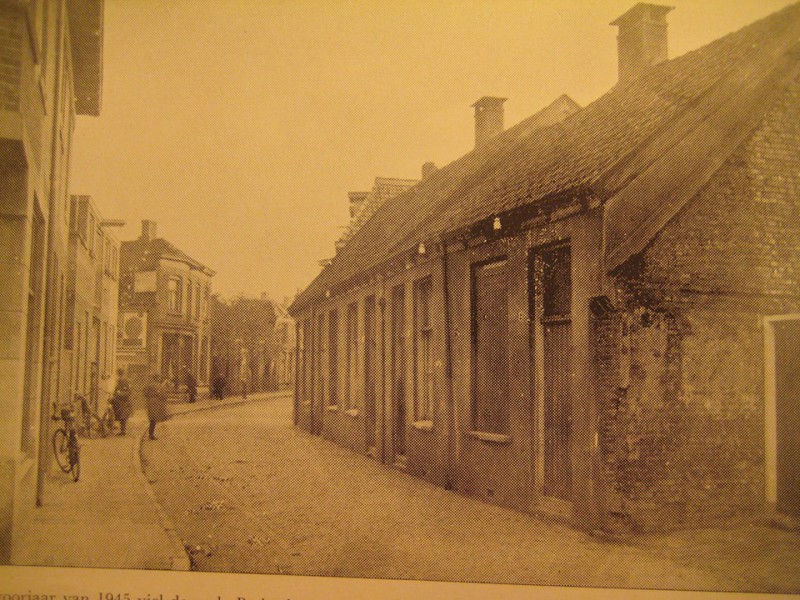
<point x="51" y="285"/>
<point x="448" y="351"/>
<point x="313" y="379"/>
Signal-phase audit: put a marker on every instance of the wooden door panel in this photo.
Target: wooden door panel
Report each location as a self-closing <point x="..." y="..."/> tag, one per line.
<point x="557" y="410"/>
<point x="491" y="349"/>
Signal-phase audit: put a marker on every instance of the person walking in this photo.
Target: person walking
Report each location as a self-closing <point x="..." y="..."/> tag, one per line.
<point x="191" y="386"/>
<point x="219" y="386"/>
<point x="156" y="398"/>
<point x="121" y="401"/>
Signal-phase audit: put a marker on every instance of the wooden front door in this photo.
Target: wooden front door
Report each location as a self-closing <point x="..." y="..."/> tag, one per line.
<point x="370" y="346"/>
<point x="551" y="334"/>
<point x="787" y="413"/>
<point x="398" y="373"/>
<point x="318" y="398"/>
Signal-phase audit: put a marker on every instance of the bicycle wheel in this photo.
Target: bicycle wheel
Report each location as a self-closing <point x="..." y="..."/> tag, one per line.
<point x="107" y="423"/>
<point x="61" y="449"/>
<point x="91" y="427"/>
<point x="75" y="458"/>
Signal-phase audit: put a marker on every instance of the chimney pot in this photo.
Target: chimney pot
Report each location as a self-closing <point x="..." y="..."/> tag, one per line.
<point x="428" y="169"/>
<point x="642" y="39"/>
<point x="148" y="230"/>
<point x="488" y="118"/>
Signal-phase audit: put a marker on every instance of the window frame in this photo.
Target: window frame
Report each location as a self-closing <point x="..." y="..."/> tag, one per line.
<point x="174" y="296"/>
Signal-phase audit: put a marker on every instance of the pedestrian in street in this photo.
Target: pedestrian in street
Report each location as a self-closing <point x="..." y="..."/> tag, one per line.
<point x="219" y="386"/>
<point x="244" y="377"/>
<point x="121" y="401"/>
<point x="191" y="385"/>
<point x="155" y="396"/>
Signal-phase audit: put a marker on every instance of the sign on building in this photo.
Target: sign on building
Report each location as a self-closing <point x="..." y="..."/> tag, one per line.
<point x="133" y="331"/>
<point x="144" y="281"/>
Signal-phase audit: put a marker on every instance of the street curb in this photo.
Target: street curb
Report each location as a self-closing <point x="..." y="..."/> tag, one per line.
<point x="179" y="560"/>
<point x="238" y="402"/>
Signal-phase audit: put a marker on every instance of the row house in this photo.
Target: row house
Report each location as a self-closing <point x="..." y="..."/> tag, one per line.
<point x="92" y="303"/>
<point x="164" y="312"/>
<point x="595" y="317"/>
<point x="50" y="71"/>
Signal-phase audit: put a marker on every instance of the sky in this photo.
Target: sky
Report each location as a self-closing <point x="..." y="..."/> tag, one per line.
<point x="239" y="126"/>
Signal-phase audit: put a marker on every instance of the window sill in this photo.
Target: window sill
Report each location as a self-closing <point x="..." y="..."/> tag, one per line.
<point x="352" y="412"/>
<point x="423" y="425"/>
<point x="495" y="438"/>
<point x="332" y="408"/>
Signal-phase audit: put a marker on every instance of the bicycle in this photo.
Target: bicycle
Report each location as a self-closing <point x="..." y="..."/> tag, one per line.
<point x="65" y="444"/>
<point x="91" y="424"/>
<point x="108" y="420"/>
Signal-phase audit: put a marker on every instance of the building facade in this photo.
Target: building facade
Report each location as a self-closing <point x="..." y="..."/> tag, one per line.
<point x="92" y="303"/>
<point x="285" y="353"/>
<point x="51" y="56"/>
<point x="594" y="319"/>
<point x="164" y="316"/>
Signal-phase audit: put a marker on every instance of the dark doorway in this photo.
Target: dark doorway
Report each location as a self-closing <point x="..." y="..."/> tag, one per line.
<point x="787" y="413"/>
<point x="398" y="372"/>
<point x="370" y="348"/>
<point x="551" y="333"/>
<point x="318" y="398"/>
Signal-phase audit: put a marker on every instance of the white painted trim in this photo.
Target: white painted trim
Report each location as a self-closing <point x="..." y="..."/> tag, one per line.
<point x="770" y="409"/>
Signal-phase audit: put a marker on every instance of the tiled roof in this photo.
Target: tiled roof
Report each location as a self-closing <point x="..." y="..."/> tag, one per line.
<point x="141" y="255"/>
<point x="384" y="189"/>
<point x="593" y="150"/>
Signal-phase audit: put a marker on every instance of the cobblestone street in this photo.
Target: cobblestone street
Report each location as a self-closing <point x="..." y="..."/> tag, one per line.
<point x="248" y="492"/>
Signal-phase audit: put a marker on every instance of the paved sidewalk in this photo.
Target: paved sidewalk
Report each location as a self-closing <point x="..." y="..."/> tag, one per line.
<point x="110" y="517"/>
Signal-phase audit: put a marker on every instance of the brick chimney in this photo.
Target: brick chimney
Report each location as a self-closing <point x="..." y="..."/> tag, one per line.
<point x="488" y="118"/>
<point x="428" y="169"/>
<point x="148" y="230"/>
<point x="642" y="39"/>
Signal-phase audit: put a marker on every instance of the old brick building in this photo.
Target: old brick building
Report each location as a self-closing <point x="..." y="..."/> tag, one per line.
<point x="90" y="335"/>
<point x="164" y="313"/>
<point x="50" y="71"/>
<point x="596" y="319"/>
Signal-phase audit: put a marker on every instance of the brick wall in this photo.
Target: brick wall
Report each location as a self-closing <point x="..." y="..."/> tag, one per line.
<point x="682" y="413"/>
<point x="11" y="30"/>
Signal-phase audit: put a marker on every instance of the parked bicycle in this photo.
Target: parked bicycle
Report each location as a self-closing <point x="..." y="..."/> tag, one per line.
<point x="93" y="425"/>
<point x="65" y="443"/>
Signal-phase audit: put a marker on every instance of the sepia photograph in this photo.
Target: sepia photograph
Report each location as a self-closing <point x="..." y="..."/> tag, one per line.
<point x="399" y="298"/>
